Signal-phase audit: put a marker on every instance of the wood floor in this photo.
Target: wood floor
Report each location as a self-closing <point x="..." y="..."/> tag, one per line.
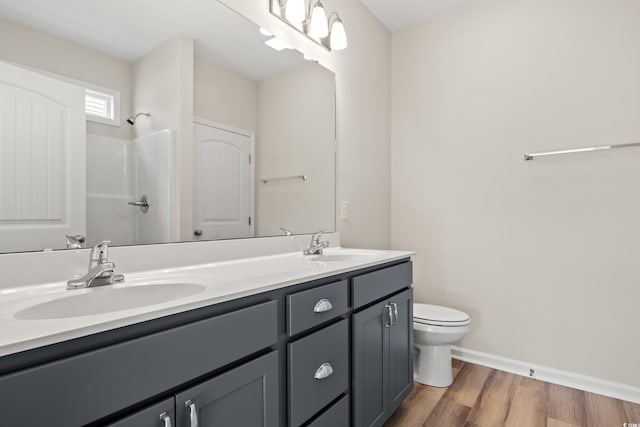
<point x="484" y="397"/>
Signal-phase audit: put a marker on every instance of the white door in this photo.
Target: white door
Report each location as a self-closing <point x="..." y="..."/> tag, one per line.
<point x="42" y="160"/>
<point x="223" y="183"/>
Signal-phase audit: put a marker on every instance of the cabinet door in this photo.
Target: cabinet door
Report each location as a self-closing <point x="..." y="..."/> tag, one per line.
<point x="370" y="366"/>
<point x="400" y="349"/>
<point x="245" y="396"/>
<point x="158" y="415"/>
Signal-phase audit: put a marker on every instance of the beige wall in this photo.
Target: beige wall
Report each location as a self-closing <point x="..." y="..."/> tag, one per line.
<point x="163" y="82"/>
<point x="363" y="114"/>
<point x="25" y="46"/>
<point x="223" y="96"/>
<point x="543" y="255"/>
<point x="296" y="136"/>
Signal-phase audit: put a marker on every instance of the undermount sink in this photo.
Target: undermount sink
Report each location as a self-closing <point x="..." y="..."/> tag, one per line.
<point x="346" y="256"/>
<point x="107" y="299"/>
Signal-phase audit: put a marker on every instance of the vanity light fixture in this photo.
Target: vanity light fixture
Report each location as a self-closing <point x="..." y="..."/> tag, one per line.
<point x="318" y="26"/>
<point x="312" y="22"/>
<point x="294" y="10"/>
<point x="338" y="36"/>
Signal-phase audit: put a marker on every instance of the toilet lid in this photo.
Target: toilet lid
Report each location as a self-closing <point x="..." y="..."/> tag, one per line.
<point x="438" y="315"/>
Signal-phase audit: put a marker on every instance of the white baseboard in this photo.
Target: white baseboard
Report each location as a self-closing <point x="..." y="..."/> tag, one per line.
<point x="565" y="378"/>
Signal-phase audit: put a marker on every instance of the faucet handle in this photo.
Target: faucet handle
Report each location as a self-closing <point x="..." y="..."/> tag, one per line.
<point x="315" y="238"/>
<point x="100" y="252"/>
<point x="286" y="231"/>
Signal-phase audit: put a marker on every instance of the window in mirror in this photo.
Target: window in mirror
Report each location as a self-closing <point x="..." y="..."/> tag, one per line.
<point x="100" y="105"/>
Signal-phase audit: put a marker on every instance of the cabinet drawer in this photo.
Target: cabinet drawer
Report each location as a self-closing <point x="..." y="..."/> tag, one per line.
<point x="336" y="416"/>
<point x="323" y="354"/>
<point x="112" y="378"/>
<point x="153" y="416"/>
<point x="312" y="307"/>
<point x="378" y="284"/>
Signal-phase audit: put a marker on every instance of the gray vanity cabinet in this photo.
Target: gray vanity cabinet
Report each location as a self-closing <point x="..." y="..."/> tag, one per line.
<point x="401" y="349"/>
<point x="159" y="415"/>
<point x="382" y="359"/>
<point x="336" y="352"/>
<point x="246" y="396"/>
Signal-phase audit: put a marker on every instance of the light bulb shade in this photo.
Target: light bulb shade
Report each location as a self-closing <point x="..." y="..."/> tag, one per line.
<point x="338" y="39"/>
<point x="294" y="11"/>
<point x="318" y="26"/>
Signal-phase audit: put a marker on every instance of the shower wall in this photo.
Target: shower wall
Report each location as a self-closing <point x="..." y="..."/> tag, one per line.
<point x="110" y="185"/>
<point x="121" y="171"/>
<point x="153" y="178"/>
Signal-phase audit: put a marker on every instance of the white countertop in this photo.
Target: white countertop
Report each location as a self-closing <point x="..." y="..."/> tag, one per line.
<point x="220" y="281"/>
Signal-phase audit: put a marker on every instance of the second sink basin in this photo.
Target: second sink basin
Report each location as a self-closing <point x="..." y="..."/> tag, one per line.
<point x="107" y="299"/>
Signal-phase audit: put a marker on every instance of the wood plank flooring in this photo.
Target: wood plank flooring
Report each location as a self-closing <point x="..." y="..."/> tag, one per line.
<point x="484" y="397"/>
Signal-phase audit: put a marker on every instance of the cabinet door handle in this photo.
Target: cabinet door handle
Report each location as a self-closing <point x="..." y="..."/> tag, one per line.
<point x="166" y="419"/>
<point x="193" y="413"/>
<point x="395" y="313"/>
<point x="324" y="371"/>
<point x="389" y="316"/>
<point x="322" y="306"/>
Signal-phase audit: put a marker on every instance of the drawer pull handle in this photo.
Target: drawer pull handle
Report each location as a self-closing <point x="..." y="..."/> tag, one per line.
<point x="324" y="371"/>
<point x="388" y="317"/>
<point x="395" y="313"/>
<point x="322" y="306"/>
<point x="166" y="419"/>
<point x="193" y="413"/>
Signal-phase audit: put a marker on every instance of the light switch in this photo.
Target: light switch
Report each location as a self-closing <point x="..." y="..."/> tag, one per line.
<point x="344" y="210"/>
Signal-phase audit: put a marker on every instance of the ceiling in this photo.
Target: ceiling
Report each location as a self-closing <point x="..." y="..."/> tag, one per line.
<point x="399" y="14"/>
<point x="130" y="29"/>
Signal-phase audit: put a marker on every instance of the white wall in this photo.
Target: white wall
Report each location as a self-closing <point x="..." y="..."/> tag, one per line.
<point x="363" y="113"/>
<point x="26" y="46"/>
<point x="223" y="96"/>
<point x="544" y="254"/>
<point x="296" y="136"/>
<point x="163" y="86"/>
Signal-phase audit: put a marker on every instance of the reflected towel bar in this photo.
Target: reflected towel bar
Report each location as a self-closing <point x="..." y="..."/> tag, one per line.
<point x="282" y="178"/>
<point x="531" y="156"/>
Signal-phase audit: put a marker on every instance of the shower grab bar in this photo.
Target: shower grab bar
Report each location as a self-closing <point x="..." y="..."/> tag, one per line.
<point x="531" y="156"/>
<point x="282" y="178"/>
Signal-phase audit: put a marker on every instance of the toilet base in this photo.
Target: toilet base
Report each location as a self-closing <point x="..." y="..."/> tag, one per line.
<point x="433" y="365"/>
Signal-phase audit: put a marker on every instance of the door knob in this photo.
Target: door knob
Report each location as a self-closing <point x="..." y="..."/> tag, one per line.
<point x="197" y="233"/>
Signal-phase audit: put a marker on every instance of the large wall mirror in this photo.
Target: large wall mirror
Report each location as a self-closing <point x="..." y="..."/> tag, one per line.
<point x="155" y="122"/>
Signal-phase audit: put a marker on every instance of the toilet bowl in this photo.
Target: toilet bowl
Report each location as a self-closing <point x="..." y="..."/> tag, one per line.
<point x="434" y="329"/>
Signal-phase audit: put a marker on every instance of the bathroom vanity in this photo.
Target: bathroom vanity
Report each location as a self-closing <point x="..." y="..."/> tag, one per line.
<point x="331" y="345"/>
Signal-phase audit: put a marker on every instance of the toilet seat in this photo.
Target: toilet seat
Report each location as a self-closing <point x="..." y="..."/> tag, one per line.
<point x="439" y="316"/>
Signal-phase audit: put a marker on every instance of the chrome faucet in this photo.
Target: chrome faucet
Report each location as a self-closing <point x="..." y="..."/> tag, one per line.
<point x="101" y="270"/>
<point x="74" y="241"/>
<point x="316" y="246"/>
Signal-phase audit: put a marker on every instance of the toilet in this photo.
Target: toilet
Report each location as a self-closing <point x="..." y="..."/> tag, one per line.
<point x="434" y="329"/>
